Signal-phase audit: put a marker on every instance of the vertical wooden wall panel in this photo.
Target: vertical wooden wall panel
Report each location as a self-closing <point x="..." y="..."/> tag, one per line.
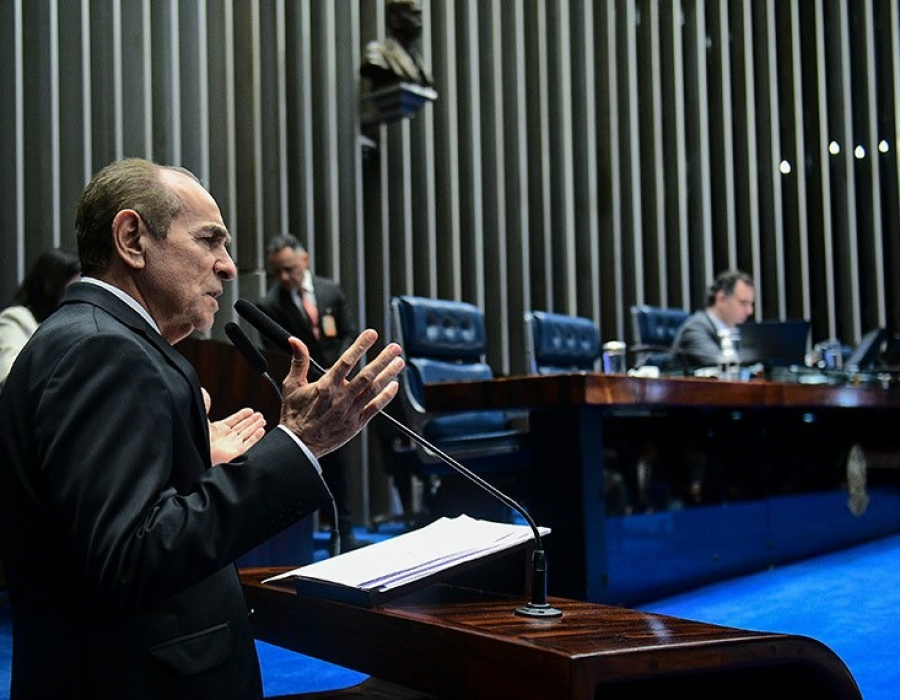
<point x="497" y="293"/>
<point x="721" y="130"/>
<point x="539" y="164"/>
<point x="631" y="145"/>
<point x="515" y="135"/>
<point x="700" y="250"/>
<point x="562" y="185"/>
<point x="586" y="168"/>
<point x="676" y="290"/>
<point x="610" y="195"/>
<point x="888" y="26"/>
<point x="652" y="165"/>
<point x="822" y="286"/>
<point x="746" y="146"/>
<point x="471" y="166"/>
<point x="796" y="253"/>
<point x="843" y="172"/>
<point x="873" y="300"/>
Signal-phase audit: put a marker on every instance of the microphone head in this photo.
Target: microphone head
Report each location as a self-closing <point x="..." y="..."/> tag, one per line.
<point x="265" y="325"/>
<point x="250" y="352"/>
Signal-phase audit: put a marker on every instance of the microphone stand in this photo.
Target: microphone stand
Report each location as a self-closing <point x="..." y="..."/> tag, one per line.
<point x="538" y="606"/>
<point x="256" y="360"/>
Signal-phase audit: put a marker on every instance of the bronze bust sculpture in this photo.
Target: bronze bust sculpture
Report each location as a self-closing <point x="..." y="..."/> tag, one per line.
<point x="394" y="59"/>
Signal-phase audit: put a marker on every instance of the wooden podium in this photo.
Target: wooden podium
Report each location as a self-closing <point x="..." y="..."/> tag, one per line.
<point x="454" y="642"/>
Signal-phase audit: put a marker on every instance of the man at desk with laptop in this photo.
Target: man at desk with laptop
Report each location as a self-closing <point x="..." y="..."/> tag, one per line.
<point x="730" y="302"/>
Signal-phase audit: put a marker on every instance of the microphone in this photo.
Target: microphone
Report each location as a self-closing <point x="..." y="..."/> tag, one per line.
<point x="250" y="352"/>
<point x="258" y="362"/>
<point x="262" y="322"/>
<point x="537" y="606"/>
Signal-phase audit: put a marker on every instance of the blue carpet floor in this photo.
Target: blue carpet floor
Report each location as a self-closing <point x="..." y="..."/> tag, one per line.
<point x="848" y="600"/>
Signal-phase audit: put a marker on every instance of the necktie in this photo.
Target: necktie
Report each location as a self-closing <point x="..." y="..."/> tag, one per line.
<point x="312" y="313"/>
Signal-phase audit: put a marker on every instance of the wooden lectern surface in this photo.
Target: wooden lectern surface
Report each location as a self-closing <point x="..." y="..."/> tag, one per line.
<point x="461" y="643"/>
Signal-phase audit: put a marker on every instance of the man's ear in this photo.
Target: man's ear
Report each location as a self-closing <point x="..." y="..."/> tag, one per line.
<point x="128" y="232"/>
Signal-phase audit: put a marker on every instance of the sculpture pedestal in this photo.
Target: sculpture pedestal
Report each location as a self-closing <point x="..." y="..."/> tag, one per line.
<point x="394" y="102"/>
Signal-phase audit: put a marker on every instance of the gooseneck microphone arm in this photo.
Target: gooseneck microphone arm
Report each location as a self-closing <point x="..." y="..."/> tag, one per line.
<point x="259" y="363"/>
<point x="538" y="606"/>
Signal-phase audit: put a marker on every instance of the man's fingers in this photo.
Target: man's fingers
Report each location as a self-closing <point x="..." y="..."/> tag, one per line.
<point x="327" y="413"/>
<point x="381" y="365"/>
<point x="341" y="369"/>
<point x="384" y="397"/>
<point x="235" y="418"/>
<point x="299" y="362"/>
<point x="250" y="423"/>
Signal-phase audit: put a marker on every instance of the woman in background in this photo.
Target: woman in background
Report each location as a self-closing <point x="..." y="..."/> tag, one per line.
<point x="38" y="296"/>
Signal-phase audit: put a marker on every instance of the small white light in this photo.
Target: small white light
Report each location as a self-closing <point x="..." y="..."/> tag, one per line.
<point x="884" y="146"/>
<point x="834" y="148"/>
<point x="859" y="152"/>
<point x="785" y="167"/>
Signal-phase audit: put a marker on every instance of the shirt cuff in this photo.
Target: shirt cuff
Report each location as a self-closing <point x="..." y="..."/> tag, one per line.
<point x="310" y="455"/>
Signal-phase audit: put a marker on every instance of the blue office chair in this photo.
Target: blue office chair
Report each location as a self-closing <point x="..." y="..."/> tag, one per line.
<point x="557" y="343"/>
<point x="653" y="330"/>
<point x="444" y="341"/>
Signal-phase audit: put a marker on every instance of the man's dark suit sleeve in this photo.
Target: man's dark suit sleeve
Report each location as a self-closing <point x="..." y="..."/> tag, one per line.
<point x="127" y="471"/>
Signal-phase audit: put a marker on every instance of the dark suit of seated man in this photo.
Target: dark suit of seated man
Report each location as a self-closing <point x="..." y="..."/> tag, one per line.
<point x="729" y="303"/>
<point x="117" y="534"/>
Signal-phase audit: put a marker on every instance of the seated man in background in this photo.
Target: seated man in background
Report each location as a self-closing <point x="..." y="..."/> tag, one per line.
<point x="729" y="303"/>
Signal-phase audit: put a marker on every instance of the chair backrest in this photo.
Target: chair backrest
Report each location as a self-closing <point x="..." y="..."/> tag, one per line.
<point x="442" y="341"/>
<point x="656" y="326"/>
<point x="653" y="329"/>
<point x="557" y="343"/>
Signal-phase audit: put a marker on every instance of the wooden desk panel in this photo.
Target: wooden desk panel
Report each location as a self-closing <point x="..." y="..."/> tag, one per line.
<point x="771" y="428"/>
<point x="611" y="390"/>
<point x="461" y="643"/>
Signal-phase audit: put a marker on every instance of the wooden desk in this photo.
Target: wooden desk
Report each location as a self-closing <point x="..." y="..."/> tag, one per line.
<point x="779" y="446"/>
<point x="461" y="643"/>
<point x="620" y="391"/>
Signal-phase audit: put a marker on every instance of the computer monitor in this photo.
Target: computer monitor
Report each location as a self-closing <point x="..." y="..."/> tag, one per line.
<point x="773" y="343"/>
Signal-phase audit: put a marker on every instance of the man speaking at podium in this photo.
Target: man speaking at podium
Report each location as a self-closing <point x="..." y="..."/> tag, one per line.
<point x="117" y="535"/>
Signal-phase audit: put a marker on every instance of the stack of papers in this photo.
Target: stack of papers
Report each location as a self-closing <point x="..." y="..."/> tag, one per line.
<point x="366" y="574"/>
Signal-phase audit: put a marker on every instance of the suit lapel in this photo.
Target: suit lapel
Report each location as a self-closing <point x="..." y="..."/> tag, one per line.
<point x="115" y="307"/>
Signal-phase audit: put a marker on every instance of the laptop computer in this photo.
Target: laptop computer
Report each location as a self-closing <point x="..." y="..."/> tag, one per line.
<point x="774" y="343"/>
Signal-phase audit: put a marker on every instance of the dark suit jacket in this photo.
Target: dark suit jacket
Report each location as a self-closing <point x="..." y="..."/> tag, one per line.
<point x="116" y="534"/>
<point x="330" y="300"/>
<point x="697" y="340"/>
